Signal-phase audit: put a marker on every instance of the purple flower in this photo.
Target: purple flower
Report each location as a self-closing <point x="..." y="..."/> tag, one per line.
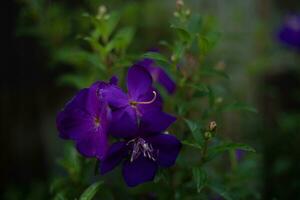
<point x="158" y="74"/>
<point x="141" y="156"/>
<point x="289" y="33"/>
<point x="240" y="154"/>
<point x="142" y="105"/>
<point x="85" y="120"/>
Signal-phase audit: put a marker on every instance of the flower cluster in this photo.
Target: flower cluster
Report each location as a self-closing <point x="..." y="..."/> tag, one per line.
<point x="136" y="119"/>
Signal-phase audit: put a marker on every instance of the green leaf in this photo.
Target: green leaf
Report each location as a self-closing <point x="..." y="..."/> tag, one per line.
<point x="219" y="149"/>
<point x="71" y="161"/>
<point x="207" y="42"/>
<point x="182" y="34"/>
<point x="156" y="56"/>
<point x="239" y="106"/>
<point x="60" y="196"/>
<point x="220" y="190"/>
<point x="91" y="191"/>
<point x="195" y="24"/>
<point x="195" y="129"/>
<point x="57" y="184"/>
<point x="191" y="144"/>
<point x="107" y="26"/>
<point x="200" y="177"/>
<point x="202" y="89"/>
<point x="122" y="39"/>
<point x="208" y="71"/>
<point x="75" y="80"/>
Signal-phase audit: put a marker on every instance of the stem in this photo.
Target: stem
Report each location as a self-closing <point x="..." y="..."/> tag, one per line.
<point x="204" y="151"/>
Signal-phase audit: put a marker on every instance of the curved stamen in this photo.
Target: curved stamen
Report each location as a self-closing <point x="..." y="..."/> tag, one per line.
<point x="148" y="102"/>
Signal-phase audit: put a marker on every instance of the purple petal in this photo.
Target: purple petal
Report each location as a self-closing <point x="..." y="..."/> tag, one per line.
<point x="156" y="105"/>
<point x="168" y="147"/>
<point x="85" y="119"/>
<point x="290" y="31"/>
<point x="139" y="82"/>
<point x="159" y="75"/>
<point x="156" y="121"/>
<point x="74" y="121"/>
<point x="139" y="171"/>
<point x="113" y="80"/>
<point x="115" y="96"/>
<point x="93" y="144"/>
<point x="145" y="62"/>
<point x="73" y="124"/>
<point x="124" y="123"/>
<point x="114" y="156"/>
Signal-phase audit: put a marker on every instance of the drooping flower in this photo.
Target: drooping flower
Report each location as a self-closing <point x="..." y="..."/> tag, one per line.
<point x="85" y="119"/>
<point x="158" y="74"/>
<point x="289" y="33"/>
<point x="132" y="109"/>
<point x="141" y="156"/>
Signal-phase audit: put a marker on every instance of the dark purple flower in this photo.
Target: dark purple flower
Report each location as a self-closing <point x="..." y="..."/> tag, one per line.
<point x="142" y="105"/>
<point x="85" y="120"/>
<point x="289" y="33"/>
<point x="158" y="74"/>
<point x="141" y="156"/>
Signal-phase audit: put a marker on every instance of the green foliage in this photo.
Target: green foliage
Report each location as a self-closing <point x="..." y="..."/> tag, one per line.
<point x="200" y="177"/>
<point x="102" y="48"/>
<point x="90" y="192"/>
<point x="195" y="129"/>
<point x="227" y="146"/>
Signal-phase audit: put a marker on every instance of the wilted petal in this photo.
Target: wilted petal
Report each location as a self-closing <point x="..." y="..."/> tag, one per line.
<point x="139" y="171"/>
<point x="114" y="156"/>
<point x="156" y="121"/>
<point x="168" y="147"/>
<point x="138" y="82"/>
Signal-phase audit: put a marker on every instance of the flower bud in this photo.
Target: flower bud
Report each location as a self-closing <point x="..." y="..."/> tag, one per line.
<point x="179" y="3"/>
<point x="212" y="126"/>
<point x="207" y="135"/>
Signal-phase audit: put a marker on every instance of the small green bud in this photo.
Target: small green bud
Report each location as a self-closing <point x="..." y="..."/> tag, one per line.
<point x="207" y="135"/>
<point x="187" y="12"/>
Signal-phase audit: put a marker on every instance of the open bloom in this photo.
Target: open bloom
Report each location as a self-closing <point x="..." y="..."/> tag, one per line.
<point x="158" y="74"/>
<point x="141" y="156"/>
<point x="142" y="105"/>
<point x="289" y="33"/>
<point x="85" y="120"/>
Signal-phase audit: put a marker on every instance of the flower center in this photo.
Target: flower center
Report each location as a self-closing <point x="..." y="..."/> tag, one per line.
<point x="140" y="146"/>
<point x="135" y="103"/>
<point x="97" y="121"/>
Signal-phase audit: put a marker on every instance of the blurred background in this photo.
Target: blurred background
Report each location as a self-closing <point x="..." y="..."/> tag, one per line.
<point x="263" y="69"/>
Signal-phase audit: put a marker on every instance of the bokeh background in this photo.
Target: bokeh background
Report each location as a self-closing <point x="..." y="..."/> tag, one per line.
<point x="263" y="72"/>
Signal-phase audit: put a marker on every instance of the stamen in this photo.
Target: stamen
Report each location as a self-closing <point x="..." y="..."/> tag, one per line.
<point x="149" y="102"/>
<point x="134" y="103"/>
<point x="97" y="121"/>
<point x="141" y="147"/>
